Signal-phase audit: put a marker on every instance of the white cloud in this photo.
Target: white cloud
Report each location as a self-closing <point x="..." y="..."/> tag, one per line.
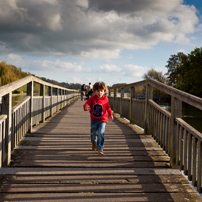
<point x="82" y="3"/>
<point x="110" y="68"/>
<point x="61" y="66"/>
<point x="103" y="54"/>
<point x="55" y="22"/>
<point x="98" y="29"/>
<point x="14" y="58"/>
<point x="134" y="70"/>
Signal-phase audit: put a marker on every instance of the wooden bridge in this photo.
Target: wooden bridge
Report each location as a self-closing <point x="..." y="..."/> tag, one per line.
<point x="53" y="161"/>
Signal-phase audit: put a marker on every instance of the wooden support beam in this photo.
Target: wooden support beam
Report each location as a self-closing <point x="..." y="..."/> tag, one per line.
<point x="6" y="110"/>
<point x="176" y="112"/>
<point x="149" y="95"/>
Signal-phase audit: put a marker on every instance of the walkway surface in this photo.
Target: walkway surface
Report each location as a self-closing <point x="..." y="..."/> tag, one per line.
<point x="56" y="163"/>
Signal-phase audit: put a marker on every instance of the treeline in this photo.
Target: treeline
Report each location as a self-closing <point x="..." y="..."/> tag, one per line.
<point x="184" y="72"/>
<point x="63" y="84"/>
<point x="10" y="73"/>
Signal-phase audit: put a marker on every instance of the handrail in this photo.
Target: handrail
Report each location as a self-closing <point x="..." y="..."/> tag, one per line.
<point x="21" y="82"/>
<point x="16" y="121"/>
<point x="183" y="96"/>
<point x="170" y="131"/>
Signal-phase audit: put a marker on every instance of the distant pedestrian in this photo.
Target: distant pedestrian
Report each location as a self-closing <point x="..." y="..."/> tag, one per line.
<point x="100" y="109"/>
<point x="83" y="90"/>
<point x="90" y="90"/>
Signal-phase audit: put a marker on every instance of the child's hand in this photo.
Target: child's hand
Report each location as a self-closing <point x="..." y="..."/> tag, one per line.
<point x="87" y="108"/>
<point x="111" y="118"/>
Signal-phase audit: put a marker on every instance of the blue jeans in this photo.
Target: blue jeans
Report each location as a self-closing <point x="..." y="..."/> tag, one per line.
<point x="97" y="133"/>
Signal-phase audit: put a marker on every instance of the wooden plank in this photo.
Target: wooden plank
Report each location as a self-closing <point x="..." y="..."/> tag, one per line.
<point x="98" y="179"/>
<point x="98" y="188"/>
<point x="90" y="197"/>
<point x="62" y="167"/>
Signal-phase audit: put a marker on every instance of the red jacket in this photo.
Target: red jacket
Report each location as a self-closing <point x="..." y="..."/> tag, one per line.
<point x="99" y="108"/>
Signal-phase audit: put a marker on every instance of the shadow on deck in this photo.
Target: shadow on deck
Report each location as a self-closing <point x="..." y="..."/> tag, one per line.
<point x="55" y="163"/>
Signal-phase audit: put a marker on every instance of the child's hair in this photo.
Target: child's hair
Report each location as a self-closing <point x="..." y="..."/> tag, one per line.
<point x="100" y="85"/>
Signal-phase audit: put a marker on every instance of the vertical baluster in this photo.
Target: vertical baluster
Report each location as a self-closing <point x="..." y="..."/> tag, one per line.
<point x="1" y="144"/>
<point x="20" y="119"/>
<point x="181" y="149"/>
<point x="177" y="144"/>
<point x="158" y="126"/>
<point x="6" y="109"/>
<point x="163" y="132"/>
<point x="121" y="102"/>
<point x="185" y="152"/>
<point x="156" y="123"/>
<point x="176" y="112"/>
<point x="154" y="126"/>
<point x="152" y="119"/>
<point x="149" y="95"/>
<point x="189" y="156"/>
<point x="30" y="89"/>
<point x="199" y="176"/>
<point x="194" y="160"/>
<point x="13" y="131"/>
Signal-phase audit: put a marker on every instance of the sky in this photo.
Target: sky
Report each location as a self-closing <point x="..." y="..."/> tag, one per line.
<point x="82" y="41"/>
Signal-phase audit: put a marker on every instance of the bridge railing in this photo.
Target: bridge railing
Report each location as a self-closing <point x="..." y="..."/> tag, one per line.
<point x="16" y="121"/>
<point x="182" y="142"/>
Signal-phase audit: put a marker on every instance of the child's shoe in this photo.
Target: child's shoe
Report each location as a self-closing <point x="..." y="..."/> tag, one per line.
<point x="100" y="152"/>
<point x="94" y="146"/>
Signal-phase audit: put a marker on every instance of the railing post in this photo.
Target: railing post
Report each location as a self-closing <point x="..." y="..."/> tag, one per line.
<point x="42" y="93"/>
<point x="114" y="99"/>
<point x="199" y="165"/>
<point x="30" y="89"/>
<point x="6" y="109"/>
<point x="109" y="92"/>
<point x="121" y="102"/>
<point x="148" y="96"/>
<point x="176" y="112"/>
<point x="50" y="93"/>
<point x="56" y="93"/>
<point x="132" y="95"/>
<point x="60" y="98"/>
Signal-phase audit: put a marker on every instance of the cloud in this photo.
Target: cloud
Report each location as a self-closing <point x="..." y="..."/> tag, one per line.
<point x="130" y="70"/>
<point x="104" y="54"/>
<point x="13" y="57"/>
<point x="96" y="29"/>
<point x="110" y="68"/>
<point x="62" y="66"/>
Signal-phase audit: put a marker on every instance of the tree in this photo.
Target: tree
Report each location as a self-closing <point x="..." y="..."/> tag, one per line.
<point x="153" y="74"/>
<point x="189" y="73"/>
<point x="174" y="63"/>
<point x="158" y="76"/>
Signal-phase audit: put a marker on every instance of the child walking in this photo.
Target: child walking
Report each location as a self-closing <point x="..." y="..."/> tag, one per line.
<point x="99" y="108"/>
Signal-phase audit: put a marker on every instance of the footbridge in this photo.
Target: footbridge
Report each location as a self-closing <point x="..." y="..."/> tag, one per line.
<point x="45" y="149"/>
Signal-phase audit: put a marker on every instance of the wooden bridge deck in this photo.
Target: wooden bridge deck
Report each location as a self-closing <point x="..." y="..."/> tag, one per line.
<point x="56" y="163"/>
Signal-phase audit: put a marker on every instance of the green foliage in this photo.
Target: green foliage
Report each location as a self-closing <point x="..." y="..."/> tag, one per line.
<point x="118" y="85"/>
<point x="189" y="73"/>
<point x="153" y="74"/>
<point x="17" y="91"/>
<point x="158" y="76"/>
<point x="174" y="63"/>
<point x="10" y="73"/>
<point x="63" y="84"/>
